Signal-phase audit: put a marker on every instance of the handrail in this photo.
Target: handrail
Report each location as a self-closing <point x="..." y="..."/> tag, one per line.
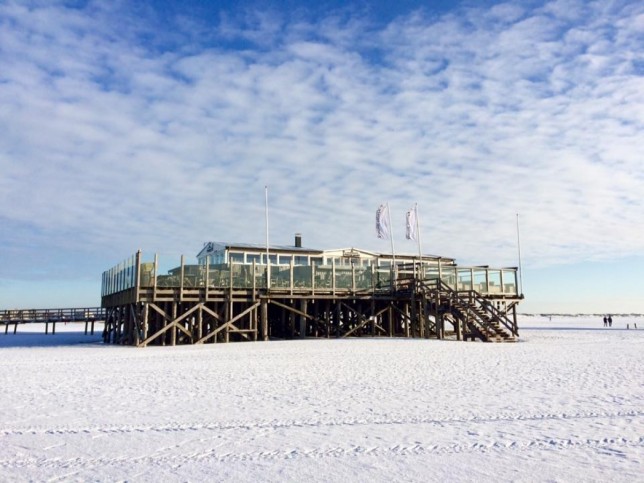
<point x="498" y="314"/>
<point x="482" y="302"/>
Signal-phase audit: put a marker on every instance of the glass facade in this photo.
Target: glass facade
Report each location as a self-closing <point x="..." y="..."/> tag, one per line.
<point x="297" y="275"/>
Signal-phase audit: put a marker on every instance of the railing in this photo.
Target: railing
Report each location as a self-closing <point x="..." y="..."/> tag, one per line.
<point x="240" y="276"/>
<point x="16" y="317"/>
<point x="466" y="302"/>
<point x="472" y="299"/>
<point x="52" y="315"/>
<point x="497" y="315"/>
<point x="135" y="274"/>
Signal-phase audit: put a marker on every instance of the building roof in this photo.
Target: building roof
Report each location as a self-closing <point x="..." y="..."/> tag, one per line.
<point x="210" y="247"/>
<point x="215" y="246"/>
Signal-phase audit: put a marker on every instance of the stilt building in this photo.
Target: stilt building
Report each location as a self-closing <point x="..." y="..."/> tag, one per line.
<point x="245" y="292"/>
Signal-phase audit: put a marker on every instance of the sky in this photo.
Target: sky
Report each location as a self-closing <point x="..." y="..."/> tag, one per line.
<point x="516" y="127"/>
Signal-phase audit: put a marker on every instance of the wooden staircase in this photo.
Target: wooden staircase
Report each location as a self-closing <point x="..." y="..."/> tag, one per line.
<point x="469" y="311"/>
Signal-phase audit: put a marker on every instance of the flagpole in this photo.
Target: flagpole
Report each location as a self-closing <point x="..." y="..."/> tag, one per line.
<point x="420" y="253"/>
<point x="520" y="269"/>
<point x="391" y="236"/>
<point x="268" y="260"/>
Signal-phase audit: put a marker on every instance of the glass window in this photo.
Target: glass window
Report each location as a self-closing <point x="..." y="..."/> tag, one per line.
<point x="273" y="259"/>
<point x="252" y="257"/>
<point x="217" y="258"/>
<point x="236" y="257"/>
<point x="285" y="259"/>
<point x="317" y="260"/>
<point x="301" y="260"/>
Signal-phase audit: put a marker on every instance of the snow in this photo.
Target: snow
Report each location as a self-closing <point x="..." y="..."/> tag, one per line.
<point x="566" y="403"/>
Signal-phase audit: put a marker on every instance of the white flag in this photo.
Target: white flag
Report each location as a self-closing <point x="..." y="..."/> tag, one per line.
<point x="382" y="224"/>
<point x="412" y="226"/>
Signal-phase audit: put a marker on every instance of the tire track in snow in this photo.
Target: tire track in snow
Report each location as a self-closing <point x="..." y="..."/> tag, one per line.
<point x="348" y="451"/>
<point x="295" y="423"/>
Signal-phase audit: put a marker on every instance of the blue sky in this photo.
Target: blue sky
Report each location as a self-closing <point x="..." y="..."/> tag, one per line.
<point x="157" y="126"/>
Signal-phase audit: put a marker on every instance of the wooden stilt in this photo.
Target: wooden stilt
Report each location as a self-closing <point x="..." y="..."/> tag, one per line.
<point x="200" y="322"/>
<point x="146" y="320"/>
<point x="303" y="321"/>
<point x="173" y="330"/>
<point x="264" y="319"/>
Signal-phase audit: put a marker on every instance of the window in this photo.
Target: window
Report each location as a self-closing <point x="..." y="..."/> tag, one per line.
<point x="301" y="260"/>
<point x="216" y="258"/>
<point x="273" y="259"/>
<point x="252" y="257"/>
<point x="285" y="259"/>
<point x="236" y="257"/>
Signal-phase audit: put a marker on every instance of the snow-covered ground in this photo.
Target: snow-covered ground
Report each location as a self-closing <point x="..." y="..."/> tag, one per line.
<point x="566" y="404"/>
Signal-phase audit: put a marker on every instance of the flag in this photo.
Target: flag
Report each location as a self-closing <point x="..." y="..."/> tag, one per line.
<point x="412" y="225"/>
<point x="382" y="224"/>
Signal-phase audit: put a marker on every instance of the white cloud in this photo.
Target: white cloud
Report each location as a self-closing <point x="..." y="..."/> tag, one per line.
<point x="476" y="115"/>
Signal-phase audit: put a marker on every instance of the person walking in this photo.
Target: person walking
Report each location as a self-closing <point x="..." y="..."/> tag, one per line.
<point x="605" y="321"/>
<point x="610" y="321"/>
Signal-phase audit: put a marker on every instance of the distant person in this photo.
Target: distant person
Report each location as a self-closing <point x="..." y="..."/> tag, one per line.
<point x="610" y="321"/>
<point x="605" y="321"/>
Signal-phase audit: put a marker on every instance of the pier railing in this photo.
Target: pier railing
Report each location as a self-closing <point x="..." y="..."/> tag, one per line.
<point x="52" y="315"/>
<point x="88" y="315"/>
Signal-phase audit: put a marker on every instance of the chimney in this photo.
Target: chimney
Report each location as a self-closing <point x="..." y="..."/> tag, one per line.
<point x="298" y="240"/>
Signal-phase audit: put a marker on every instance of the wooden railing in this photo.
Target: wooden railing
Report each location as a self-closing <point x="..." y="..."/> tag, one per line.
<point x="23" y="316"/>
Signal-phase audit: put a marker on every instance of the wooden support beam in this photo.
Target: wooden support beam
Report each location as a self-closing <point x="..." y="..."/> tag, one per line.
<point x="315" y="316"/>
<point x="200" y="321"/>
<point x="173" y="329"/>
<point x="290" y="308"/>
<point x="254" y="325"/>
<point x="228" y="324"/>
<point x="361" y="318"/>
<point x="264" y="318"/>
<point x="363" y="321"/>
<point x="135" y="326"/>
<point x="303" y="317"/>
<point x="146" y="313"/>
<point x="170" y="324"/>
<point x="215" y="315"/>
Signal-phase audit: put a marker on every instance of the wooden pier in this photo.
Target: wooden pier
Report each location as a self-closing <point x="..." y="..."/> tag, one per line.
<point x="196" y="304"/>
<point x="88" y="315"/>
